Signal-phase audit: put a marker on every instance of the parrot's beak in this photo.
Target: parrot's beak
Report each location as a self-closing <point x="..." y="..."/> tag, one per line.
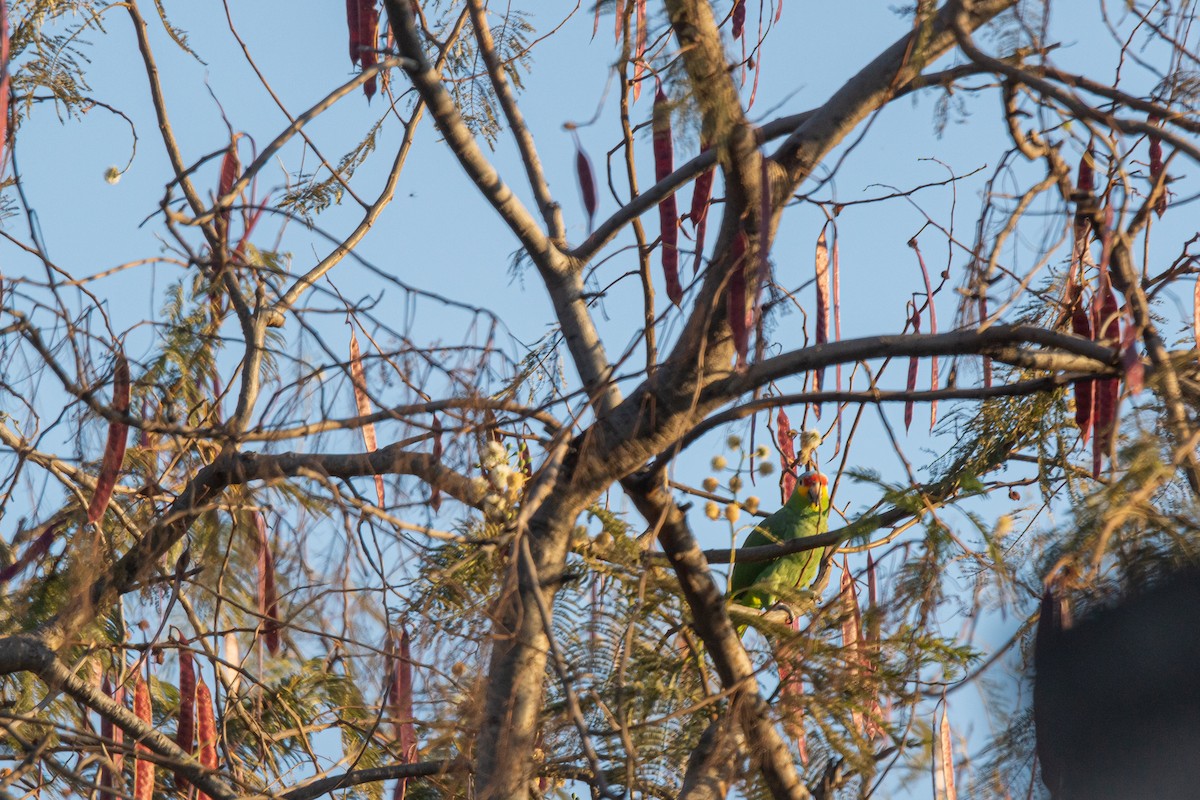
<point x="814" y="493"/>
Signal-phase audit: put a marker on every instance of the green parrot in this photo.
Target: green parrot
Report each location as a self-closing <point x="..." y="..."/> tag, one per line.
<point x="759" y="584"/>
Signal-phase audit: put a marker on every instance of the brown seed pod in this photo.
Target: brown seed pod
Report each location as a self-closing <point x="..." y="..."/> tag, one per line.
<point x="787" y="454"/>
<point x="737" y="309"/>
<point x="587" y="182"/>
<point x="358" y="377"/>
<point x="185" y="732"/>
<point x="668" y="214"/>
<point x="111" y="733"/>
<point x="143" y="768"/>
<point x="206" y="731"/>
<point x="738" y="18"/>
<point x="114" y="447"/>
<point x="435" y="495"/>
<point x="913" y="363"/>
<point x="268" y="598"/>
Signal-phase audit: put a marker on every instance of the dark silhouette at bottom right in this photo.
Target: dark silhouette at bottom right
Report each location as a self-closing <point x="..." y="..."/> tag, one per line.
<point x="1116" y="696"/>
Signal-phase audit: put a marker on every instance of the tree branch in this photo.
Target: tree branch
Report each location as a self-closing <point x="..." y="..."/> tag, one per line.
<point x="649" y="494"/>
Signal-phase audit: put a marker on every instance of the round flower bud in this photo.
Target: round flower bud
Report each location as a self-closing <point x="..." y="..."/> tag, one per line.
<point x="735" y="483"/>
<point x="734" y="442"/>
<point x="719" y="462"/>
<point x="761" y="451"/>
<point x="712" y="510"/>
<point x="766" y="468"/>
<point x="732" y="512"/>
<point x="751" y="504"/>
<point x="711" y="484"/>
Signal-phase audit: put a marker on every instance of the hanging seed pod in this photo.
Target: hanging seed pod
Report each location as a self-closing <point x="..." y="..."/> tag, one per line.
<point x="933" y="360"/>
<point x="851" y="629"/>
<point x="355" y="28"/>
<point x="787" y="454"/>
<point x="1084" y="390"/>
<point x="111" y="733"/>
<point x="698" y="214"/>
<point x="764" y="243"/>
<point x="114" y="447"/>
<point x="1156" y="168"/>
<point x="587" y="182"/>
<point x="231" y="668"/>
<point x="230" y="167"/>
<point x="1131" y="361"/>
<point x="620" y="15"/>
<point x="32" y="553"/>
<point x="268" y="599"/>
<point x="143" y="768"/>
<point x="368" y="20"/>
<point x="399" y="701"/>
<point x="913" y="363"/>
<point x="435" y="494"/>
<point x="987" y="362"/>
<point x="639" y="55"/>
<point x="737" y="309"/>
<point x="821" y="335"/>
<point x="668" y="214"/>
<point x="358" y="377"/>
<point x="943" y="761"/>
<point x="185" y="733"/>
<point x="1107" y="390"/>
<point x="738" y="18"/>
<point x="206" y="731"/>
<point x="4" y="83"/>
<point x="791" y="690"/>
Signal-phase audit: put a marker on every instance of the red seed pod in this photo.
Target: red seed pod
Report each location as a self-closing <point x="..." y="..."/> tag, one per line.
<point x="1156" y="167"/>
<point x="4" y="79"/>
<point x="587" y="182"/>
<point x="185" y="733"/>
<point x="871" y="634"/>
<point x="737" y="309"/>
<point x="668" y="214"/>
<point x="268" y="598"/>
<point x="837" y="330"/>
<point x="230" y="167"/>
<point x="1084" y="187"/>
<point x="698" y="214"/>
<point x="114" y="447"/>
<point x="1084" y="390"/>
<point x="143" y="769"/>
<point x="407" y="733"/>
<point x="911" y="385"/>
<point x="639" y="61"/>
<point x="32" y="553"/>
<point x="823" y="303"/>
<point x="368" y="20"/>
<point x="787" y="454"/>
<point x="111" y="733"/>
<point x="791" y="690"/>
<point x="738" y="18"/>
<point x="355" y="27"/>
<point x="435" y="495"/>
<point x="987" y="362"/>
<point x="852" y="633"/>
<point x="358" y="377"/>
<point x="206" y="731"/>
<point x="1105" y="318"/>
<point x="620" y="15"/>
<point x="1131" y="361"/>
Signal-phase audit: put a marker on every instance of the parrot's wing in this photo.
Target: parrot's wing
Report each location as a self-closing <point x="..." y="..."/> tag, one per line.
<point x="769" y="531"/>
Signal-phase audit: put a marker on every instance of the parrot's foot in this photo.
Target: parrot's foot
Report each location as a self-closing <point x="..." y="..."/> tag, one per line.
<point x="792" y="616"/>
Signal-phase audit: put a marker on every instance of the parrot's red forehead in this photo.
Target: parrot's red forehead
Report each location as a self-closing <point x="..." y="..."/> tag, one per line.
<point x="813" y="478"/>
